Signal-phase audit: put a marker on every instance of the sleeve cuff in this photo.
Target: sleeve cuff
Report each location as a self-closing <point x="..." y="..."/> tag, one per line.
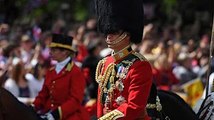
<point x="60" y="113"/>
<point x="56" y="113"/>
<point x="32" y="105"/>
<point x="113" y="115"/>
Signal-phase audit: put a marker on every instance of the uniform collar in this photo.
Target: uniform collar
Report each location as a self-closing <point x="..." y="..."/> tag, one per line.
<point x="122" y="53"/>
<point x="61" y="65"/>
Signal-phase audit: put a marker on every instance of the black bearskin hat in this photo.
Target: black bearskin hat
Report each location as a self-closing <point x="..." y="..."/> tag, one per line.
<point x="126" y="15"/>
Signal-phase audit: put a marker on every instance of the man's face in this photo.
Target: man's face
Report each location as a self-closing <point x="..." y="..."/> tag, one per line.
<point x="117" y="41"/>
<point x="111" y="39"/>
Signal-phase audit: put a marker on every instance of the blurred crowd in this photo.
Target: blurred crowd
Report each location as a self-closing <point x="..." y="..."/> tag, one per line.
<point x="176" y="60"/>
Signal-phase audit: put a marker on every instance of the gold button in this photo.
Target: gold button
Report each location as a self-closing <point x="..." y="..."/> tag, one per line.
<point x="52" y="105"/>
<point x="54" y="81"/>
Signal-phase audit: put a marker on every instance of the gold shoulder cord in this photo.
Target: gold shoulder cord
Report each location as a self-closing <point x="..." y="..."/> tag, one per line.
<point x="102" y="80"/>
<point x="99" y="70"/>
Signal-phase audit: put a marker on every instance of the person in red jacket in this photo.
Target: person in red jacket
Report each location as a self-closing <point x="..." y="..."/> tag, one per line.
<point x="63" y="90"/>
<point x="125" y="76"/>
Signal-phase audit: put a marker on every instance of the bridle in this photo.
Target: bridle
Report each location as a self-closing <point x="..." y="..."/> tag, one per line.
<point x="11" y="102"/>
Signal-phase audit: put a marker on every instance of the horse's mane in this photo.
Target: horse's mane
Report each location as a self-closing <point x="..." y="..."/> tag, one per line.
<point x="13" y="109"/>
<point x="177" y="97"/>
<point x="175" y="107"/>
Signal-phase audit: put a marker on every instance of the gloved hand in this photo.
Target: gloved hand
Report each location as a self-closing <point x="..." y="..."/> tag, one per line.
<point x="33" y="109"/>
<point x="54" y="115"/>
<point x="47" y="116"/>
<point x="42" y="117"/>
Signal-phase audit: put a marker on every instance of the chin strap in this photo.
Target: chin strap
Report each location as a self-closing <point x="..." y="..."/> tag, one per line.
<point x="120" y="38"/>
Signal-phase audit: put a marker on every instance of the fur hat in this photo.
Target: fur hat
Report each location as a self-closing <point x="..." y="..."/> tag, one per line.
<point x="62" y="41"/>
<point x="126" y="15"/>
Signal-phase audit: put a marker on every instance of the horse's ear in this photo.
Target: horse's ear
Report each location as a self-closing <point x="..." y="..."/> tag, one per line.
<point x="3" y="78"/>
<point x="5" y="92"/>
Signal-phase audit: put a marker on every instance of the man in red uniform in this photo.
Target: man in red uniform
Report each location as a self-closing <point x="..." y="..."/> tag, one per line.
<point x="63" y="89"/>
<point x="124" y="77"/>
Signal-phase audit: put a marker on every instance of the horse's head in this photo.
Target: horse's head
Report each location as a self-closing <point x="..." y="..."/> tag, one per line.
<point x="12" y="109"/>
<point x="164" y="104"/>
<point x="175" y="107"/>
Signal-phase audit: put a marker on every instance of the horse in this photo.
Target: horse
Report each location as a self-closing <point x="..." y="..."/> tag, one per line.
<point x="166" y="105"/>
<point x="171" y="107"/>
<point x="12" y="109"/>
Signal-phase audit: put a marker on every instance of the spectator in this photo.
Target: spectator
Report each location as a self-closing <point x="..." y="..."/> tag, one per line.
<point x="17" y="83"/>
<point x="63" y="89"/>
<point x="183" y="71"/>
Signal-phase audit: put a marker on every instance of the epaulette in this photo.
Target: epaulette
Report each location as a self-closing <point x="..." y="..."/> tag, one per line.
<point x="141" y="57"/>
<point x="113" y="115"/>
<point x="69" y="66"/>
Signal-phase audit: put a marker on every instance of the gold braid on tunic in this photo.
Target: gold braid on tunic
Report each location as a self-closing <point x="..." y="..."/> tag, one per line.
<point x="102" y="77"/>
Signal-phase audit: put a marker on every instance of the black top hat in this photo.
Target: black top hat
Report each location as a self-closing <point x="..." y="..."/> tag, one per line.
<point x="126" y="15"/>
<point x="62" y="41"/>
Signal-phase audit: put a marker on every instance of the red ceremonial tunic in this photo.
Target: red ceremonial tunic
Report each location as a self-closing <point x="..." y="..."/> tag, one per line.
<point x="64" y="91"/>
<point x="136" y="89"/>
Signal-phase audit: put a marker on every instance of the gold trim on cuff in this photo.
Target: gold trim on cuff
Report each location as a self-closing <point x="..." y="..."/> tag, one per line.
<point x="69" y="66"/>
<point x="60" y="113"/>
<point x="113" y="115"/>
